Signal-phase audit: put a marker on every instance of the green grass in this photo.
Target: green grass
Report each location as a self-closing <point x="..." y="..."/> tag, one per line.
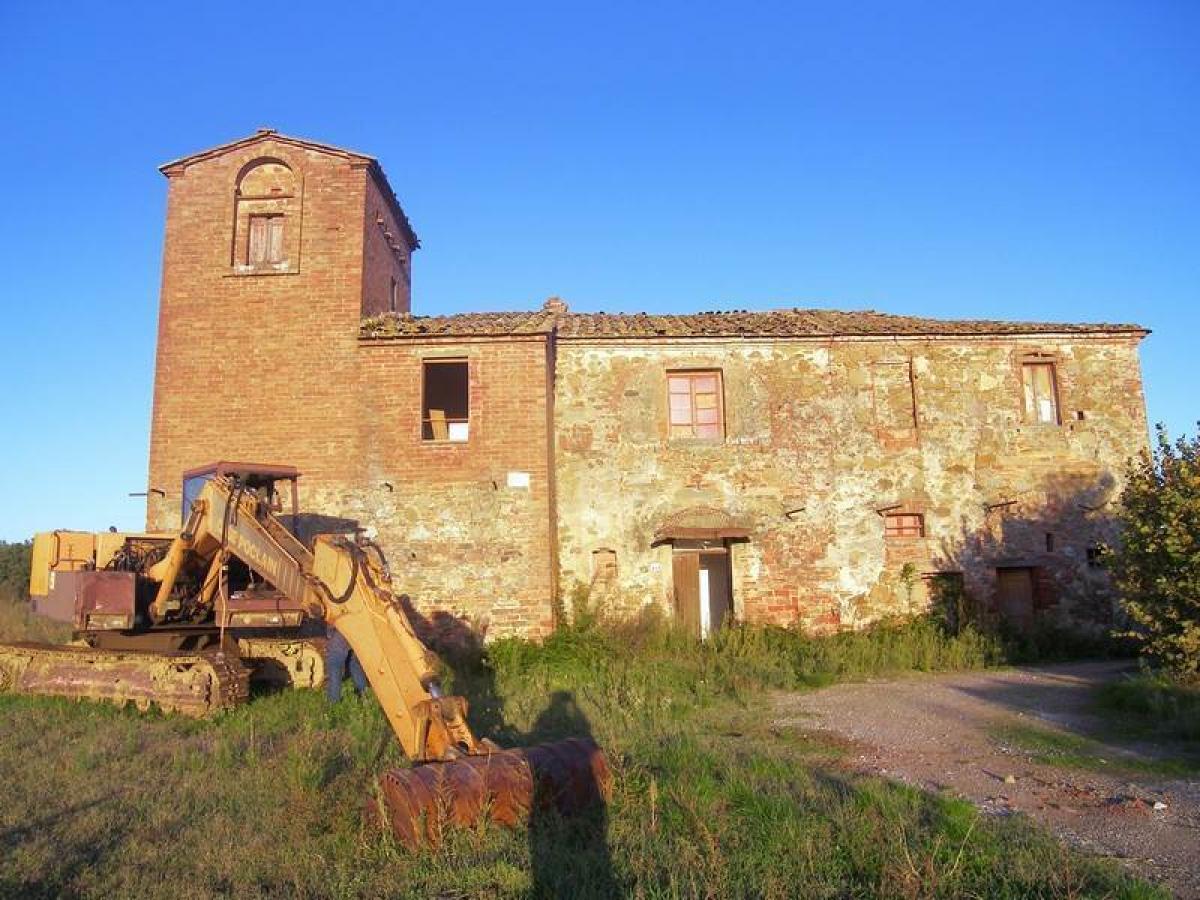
<point x="1153" y="707"/>
<point x="1073" y="751"/>
<point x="709" y="799"/>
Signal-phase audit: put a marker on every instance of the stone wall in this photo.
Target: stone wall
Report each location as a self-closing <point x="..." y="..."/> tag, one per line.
<point x="821" y="436"/>
<point x="386" y="256"/>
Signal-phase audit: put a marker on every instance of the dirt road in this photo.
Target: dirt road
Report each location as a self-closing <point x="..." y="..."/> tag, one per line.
<point x="946" y="732"/>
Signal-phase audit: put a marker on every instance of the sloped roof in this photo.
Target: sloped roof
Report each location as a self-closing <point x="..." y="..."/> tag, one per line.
<point x="770" y="323"/>
<point x="391" y="325"/>
<point x="270" y="134"/>
<point x="264" y="134"/>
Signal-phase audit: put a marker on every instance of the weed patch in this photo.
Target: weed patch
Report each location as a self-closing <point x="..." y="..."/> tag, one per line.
<point x="709" y="801"/>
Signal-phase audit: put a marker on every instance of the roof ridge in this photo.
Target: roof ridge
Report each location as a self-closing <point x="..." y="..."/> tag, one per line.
<point x="778" y="323"/>
<point x="263" y="134"/>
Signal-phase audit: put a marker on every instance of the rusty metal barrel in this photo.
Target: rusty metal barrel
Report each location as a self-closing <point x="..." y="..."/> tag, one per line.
<point x="503" y="786"/>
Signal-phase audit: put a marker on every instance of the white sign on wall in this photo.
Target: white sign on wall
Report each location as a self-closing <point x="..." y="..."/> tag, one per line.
<point x="518" y="479"/>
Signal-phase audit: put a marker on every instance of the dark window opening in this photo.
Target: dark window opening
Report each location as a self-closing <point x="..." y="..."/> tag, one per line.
<point x="902" y="525"/>
<point x="393" y="296"/>
<point x="266" y="241"/>
<point x="445" y="401"/>
<point x="1049" y="542"/>
<point x="1095" y="557"/>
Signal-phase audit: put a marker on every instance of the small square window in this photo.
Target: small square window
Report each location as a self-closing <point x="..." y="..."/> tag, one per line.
<point x="696" y="408"/>
<point x="1041" y="392"/>
<point x="445" y="403"/>
<point x="904" y="525"/>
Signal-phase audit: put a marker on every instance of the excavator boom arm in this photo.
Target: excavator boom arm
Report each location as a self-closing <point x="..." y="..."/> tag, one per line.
<point x="342" y="582"/>
<point x="460" y="779"/>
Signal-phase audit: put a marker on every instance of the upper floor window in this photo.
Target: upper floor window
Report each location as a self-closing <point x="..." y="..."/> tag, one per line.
<point x="1041" y="392"/>
<point x="445" y="400"/>
<point x="394" y="296"/>
<point x="266" y="218"/>
<point x="266" y="241"/>
<point x="696" y="406"/>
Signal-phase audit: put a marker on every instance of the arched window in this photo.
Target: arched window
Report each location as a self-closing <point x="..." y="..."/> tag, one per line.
<point x="266" y="219"/>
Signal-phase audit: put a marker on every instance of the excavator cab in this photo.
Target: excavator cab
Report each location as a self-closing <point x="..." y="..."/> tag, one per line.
<point x="275" y="487"/>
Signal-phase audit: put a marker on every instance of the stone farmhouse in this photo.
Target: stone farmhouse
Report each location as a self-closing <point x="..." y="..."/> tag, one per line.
<point x="802" y="467"/>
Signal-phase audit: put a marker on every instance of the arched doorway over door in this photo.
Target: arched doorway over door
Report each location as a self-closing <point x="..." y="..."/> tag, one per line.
<point x="701" y="566"/>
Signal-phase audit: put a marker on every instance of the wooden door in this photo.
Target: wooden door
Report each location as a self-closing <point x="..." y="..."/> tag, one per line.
<point x="1015" y="596"/>
<point x="685" y="569"/>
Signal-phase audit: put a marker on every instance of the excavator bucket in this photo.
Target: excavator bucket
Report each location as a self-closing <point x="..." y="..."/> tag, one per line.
<point x="505" y="786"/>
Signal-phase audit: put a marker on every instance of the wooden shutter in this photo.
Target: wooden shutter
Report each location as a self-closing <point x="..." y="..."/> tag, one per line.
<point x="275" y="244"/>
<point x="257" y="253"/>
<point x="685" y="568"/>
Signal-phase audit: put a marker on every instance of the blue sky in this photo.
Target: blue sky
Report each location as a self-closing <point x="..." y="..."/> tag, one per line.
<point x="1001" y="160"/>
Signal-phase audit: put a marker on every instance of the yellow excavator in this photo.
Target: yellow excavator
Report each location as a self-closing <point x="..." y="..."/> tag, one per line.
<point x="146" y="620"/>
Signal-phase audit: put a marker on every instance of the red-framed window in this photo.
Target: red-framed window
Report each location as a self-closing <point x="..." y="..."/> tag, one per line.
<point x="697" y="407"/>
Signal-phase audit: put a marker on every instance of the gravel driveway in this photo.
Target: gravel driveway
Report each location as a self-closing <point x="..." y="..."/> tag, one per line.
<point x="938" y="732"/>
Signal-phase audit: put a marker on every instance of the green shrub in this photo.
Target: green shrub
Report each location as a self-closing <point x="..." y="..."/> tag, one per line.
<point x="14" y="565"/>
<point x="1157" y="566"/>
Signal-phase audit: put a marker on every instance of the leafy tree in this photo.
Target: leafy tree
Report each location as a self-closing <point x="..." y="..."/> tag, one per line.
<point x="1157" y="566"/>
<point x="14" y="565"/>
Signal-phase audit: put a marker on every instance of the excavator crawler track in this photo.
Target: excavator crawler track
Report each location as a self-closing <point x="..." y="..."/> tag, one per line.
<point x="285" y="662"/>
<point x="195" y="684"/>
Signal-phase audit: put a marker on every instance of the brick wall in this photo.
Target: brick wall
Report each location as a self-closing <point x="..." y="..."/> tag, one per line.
<point x="387" y="256"/>
<point x="462" y="535"/>
<point x="257" y="366"/>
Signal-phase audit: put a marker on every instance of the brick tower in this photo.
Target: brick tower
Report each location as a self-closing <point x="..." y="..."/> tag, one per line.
<point x="275" y="248"/>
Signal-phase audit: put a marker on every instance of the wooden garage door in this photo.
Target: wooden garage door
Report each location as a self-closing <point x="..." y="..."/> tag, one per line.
<point x="1015" y="596"/>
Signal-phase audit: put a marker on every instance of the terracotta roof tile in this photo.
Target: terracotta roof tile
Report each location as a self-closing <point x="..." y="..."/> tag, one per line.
<point x="799" y="323"/>
<point x="391" y="325"/>
<point x="771" y="323"/>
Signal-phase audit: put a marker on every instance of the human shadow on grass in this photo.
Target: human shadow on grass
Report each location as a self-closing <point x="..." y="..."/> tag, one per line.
<point x="568" y="823"/>
<point x="73" y="856"/>
<point x="568" y="827"/>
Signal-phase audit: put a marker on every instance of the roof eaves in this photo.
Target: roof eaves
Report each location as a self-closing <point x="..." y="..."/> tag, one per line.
<point x="385" y="188"/>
